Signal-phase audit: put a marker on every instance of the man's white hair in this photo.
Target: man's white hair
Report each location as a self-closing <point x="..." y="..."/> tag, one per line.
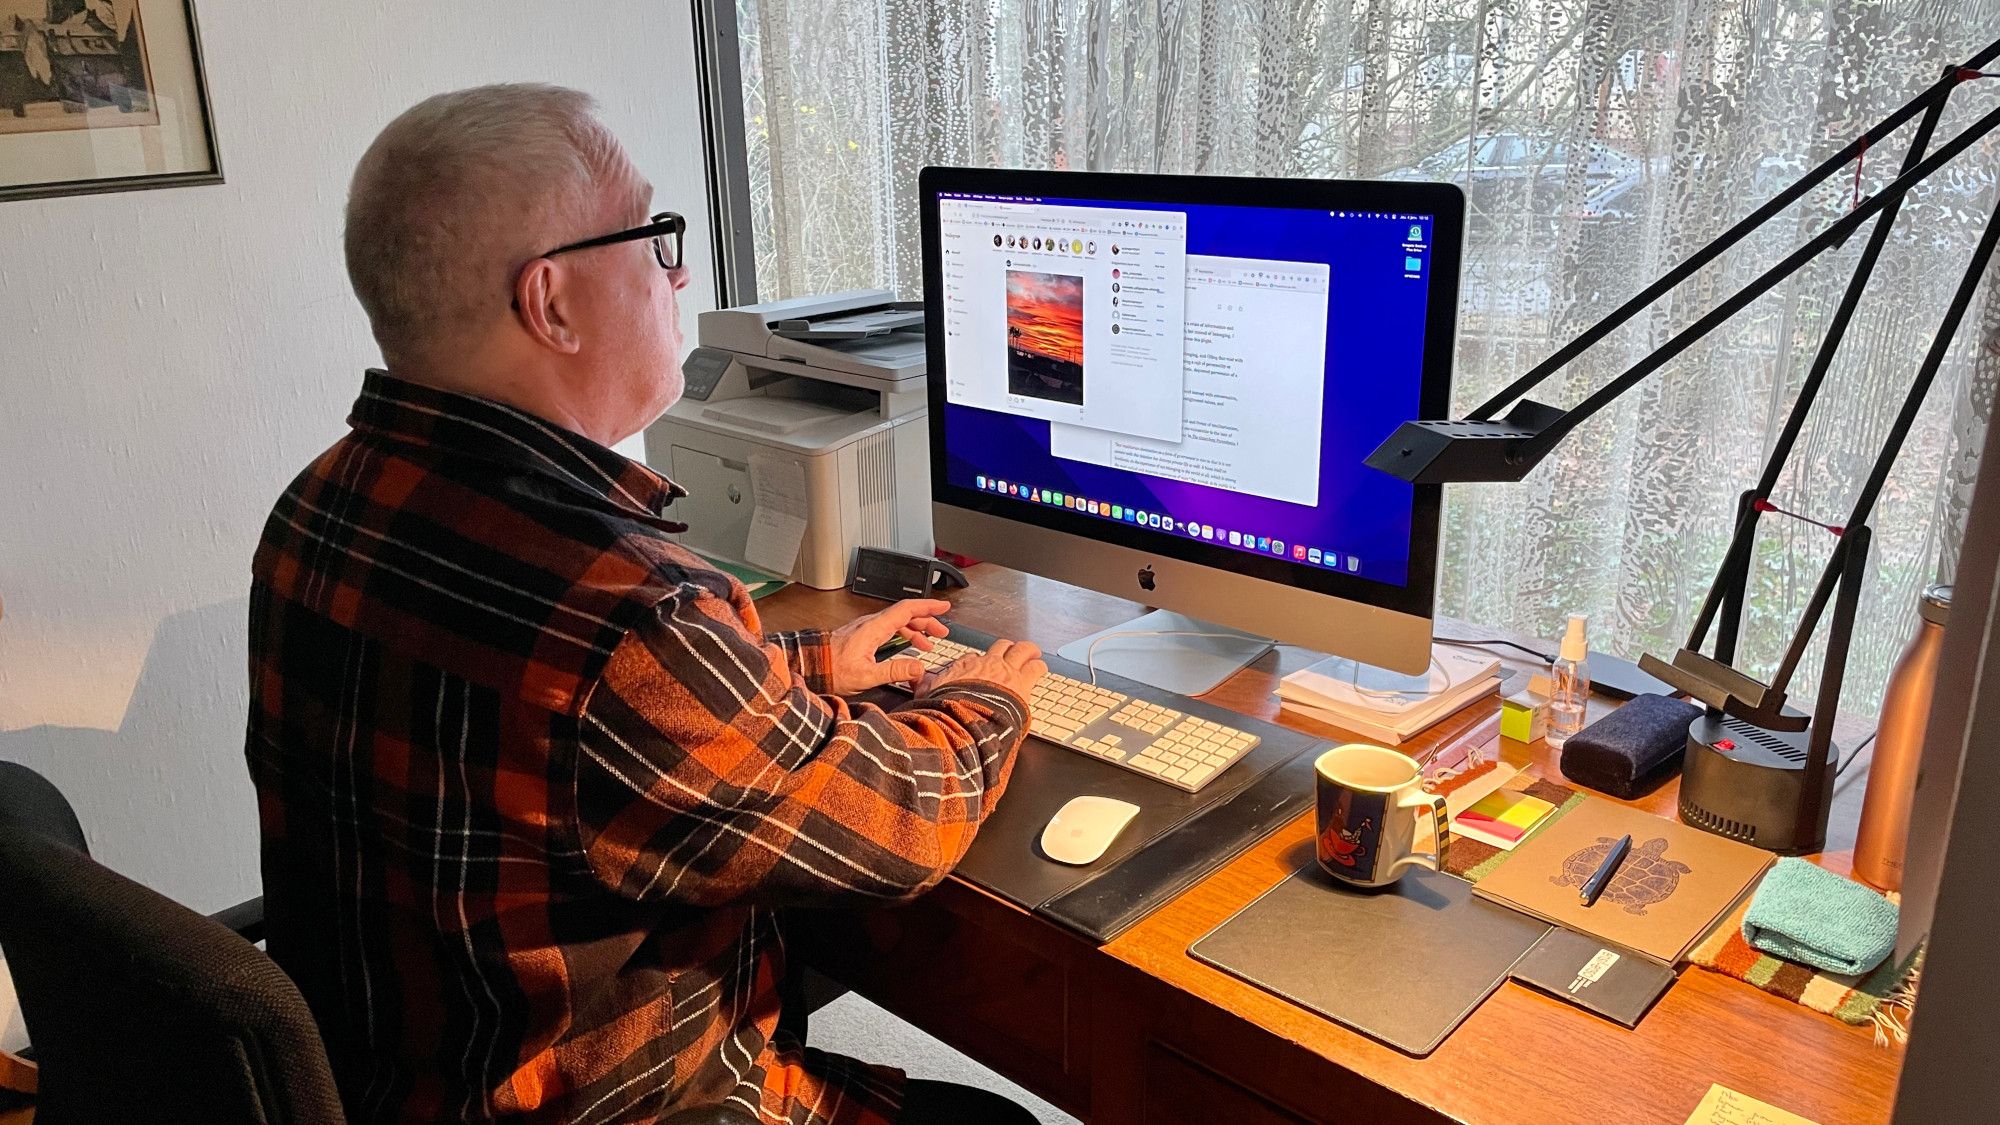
<point x="457" y="193"/>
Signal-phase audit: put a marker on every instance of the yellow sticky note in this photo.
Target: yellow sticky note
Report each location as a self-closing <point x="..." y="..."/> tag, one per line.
<point x="1724" y="1106"/>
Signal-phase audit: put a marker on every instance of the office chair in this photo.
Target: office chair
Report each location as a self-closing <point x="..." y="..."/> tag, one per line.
<point x="143" y="1010"/>
<point x="29" y="800"/>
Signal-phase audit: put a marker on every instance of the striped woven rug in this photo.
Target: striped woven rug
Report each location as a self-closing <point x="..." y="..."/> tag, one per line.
<point x="1882" y="997"/>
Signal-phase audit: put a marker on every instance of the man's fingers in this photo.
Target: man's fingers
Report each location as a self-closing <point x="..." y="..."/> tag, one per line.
<point x="1020" y="654"/>
<point x="910" y="609"/>
<point x="905" y="614"/>
<point x="902" y="670"/>
<point x="918" y="640"/>
<point x="999" y="649"/>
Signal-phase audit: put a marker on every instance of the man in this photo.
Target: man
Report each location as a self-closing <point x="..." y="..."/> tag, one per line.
<point x="532" y="780"/>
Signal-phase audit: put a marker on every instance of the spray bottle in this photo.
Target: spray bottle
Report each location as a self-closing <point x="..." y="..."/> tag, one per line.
<point x="1570" y="695"/>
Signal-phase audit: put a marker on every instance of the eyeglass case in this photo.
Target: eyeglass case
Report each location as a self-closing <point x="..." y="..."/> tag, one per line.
<point x="1633" y="750"/>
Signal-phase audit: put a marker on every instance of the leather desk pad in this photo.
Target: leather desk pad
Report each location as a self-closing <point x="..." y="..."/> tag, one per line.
<point x="1006" y="860"/>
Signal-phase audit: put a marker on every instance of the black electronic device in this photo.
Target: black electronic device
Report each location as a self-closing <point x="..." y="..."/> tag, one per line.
<point x="1748" y="783"/>
<point x="1621" y="678"/>
<point x="894" y="575"/>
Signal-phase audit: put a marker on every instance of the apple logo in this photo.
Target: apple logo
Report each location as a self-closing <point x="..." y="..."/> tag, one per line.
<point x="1145" y="578"/>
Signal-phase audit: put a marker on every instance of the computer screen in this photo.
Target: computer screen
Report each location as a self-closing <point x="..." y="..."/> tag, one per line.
<point x="1201" y="376"/>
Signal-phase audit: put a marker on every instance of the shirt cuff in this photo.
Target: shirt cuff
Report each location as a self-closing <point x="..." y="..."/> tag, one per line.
<point x="1008" y="708"/>
<point x="809" y="652"/>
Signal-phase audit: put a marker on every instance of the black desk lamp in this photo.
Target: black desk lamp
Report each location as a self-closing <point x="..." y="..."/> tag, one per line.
<point x="1757" y="770"/>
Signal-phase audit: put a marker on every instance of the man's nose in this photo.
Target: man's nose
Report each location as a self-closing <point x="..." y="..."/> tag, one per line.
<point x="680" y="277"/>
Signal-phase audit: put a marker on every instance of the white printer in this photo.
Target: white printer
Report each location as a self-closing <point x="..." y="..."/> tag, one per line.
<point x="801" y="435"/>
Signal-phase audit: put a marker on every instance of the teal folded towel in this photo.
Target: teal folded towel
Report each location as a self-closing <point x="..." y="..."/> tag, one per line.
<point x="1805" y="913"/>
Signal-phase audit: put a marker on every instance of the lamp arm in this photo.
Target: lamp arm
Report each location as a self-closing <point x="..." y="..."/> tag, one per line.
<point x="1561" y="358"/>
<point x="1864" y="502"/>
<point x="1535" y="448"/>
<point x="1727" y="588"/>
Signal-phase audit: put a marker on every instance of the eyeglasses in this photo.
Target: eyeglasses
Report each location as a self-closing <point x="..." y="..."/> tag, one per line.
<point x="664" y="229"/>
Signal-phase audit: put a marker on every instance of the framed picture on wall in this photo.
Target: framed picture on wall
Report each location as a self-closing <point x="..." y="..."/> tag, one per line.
<point x="102" y="95"/>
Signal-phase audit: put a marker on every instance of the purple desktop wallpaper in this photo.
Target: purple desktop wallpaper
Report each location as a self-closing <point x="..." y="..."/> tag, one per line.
<point x="1374" y="358"/>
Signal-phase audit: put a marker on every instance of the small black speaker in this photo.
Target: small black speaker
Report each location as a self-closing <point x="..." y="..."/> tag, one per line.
<point x="1748" y="783"/>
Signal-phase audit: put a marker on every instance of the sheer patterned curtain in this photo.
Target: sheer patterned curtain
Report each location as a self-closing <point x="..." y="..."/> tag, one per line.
<point x="1599" y="142"/>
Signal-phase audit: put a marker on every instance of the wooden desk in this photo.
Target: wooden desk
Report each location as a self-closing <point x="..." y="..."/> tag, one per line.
<point x="1139" y="1032"/>
<point x="15" y="1077"/>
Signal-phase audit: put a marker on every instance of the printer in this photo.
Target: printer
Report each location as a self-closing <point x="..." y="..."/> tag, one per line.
<point x="802" y="435"/>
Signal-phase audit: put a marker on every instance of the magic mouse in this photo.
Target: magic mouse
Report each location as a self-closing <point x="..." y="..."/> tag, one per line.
<point x="1082" y="829"/>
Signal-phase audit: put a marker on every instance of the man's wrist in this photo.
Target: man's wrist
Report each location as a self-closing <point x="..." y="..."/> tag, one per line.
<point x="1010" y="706"/>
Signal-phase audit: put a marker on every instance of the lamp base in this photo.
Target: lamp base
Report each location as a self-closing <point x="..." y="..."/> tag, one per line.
<point x="1748" y="783"/>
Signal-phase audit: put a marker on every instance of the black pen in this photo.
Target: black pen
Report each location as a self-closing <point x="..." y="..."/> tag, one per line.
<point x="1596" y="884"/>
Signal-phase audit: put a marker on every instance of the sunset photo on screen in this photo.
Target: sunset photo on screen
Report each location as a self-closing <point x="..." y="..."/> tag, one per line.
<point x="1045" y="335"/>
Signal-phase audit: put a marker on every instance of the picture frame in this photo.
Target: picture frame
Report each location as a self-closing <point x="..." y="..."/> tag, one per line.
<point x="101" y="96"/>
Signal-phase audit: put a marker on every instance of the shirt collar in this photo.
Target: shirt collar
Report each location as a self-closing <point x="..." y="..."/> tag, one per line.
<point x="410" y="412"/>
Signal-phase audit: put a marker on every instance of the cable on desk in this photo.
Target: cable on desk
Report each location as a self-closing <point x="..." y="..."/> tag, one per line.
<point x="1854" y="754"/>
<point x="1354" y="682"/>
<point x="1482" y="643"/>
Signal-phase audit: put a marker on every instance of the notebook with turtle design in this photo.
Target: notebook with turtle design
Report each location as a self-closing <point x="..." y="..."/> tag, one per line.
<point x="1670" y="890"/>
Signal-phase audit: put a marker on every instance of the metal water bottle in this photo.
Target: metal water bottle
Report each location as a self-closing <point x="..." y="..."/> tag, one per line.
<point x="1899" y="747"/>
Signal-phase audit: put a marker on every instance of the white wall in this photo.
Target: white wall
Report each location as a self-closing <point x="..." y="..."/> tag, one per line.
<point x="169" y="359"/>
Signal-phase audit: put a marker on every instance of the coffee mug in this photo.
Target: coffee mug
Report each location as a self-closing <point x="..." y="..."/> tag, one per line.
<point x="1369" y="802"/>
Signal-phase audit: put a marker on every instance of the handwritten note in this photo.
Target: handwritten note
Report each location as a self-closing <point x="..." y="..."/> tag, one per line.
<point x="1724" y="1106"/>
<point x="779" y="504"/>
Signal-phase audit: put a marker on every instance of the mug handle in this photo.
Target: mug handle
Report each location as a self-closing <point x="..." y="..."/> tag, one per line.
<point x="1440" y="830"/>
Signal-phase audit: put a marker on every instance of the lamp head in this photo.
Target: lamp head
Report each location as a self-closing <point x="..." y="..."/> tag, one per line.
<point x="1451" y="451"/>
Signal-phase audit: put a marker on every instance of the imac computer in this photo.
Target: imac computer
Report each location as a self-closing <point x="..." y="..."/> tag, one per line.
<point x="1164" y="388"/>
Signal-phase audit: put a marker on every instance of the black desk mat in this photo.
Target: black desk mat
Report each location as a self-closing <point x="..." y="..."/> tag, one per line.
<point x="1405" y="964"/>
<point x="1176" y="838"/>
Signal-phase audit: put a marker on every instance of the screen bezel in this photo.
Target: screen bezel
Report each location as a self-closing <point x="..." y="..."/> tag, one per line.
<point x="1444" y="202"/>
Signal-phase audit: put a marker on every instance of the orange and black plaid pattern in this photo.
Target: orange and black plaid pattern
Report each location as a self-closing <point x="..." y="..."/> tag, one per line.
<point x="532" y="783"/>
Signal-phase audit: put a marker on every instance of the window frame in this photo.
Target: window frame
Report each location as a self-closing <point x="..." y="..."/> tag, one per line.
<point x="725" y="150"/>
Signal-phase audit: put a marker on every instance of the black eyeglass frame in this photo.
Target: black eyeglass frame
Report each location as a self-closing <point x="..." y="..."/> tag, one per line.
<point x="661" y="228"/>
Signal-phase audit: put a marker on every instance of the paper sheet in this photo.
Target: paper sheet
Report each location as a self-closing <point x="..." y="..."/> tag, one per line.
<point x="778" y="519"/>
<point x="1724" y="1106"/>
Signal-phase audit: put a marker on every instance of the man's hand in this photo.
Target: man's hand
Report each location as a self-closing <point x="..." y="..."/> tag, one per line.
<point x="854" y="665"/>
<point x="1011" y="664"/>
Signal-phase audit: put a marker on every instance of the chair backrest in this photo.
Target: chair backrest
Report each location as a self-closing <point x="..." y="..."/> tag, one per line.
<point x="29" y="800"/>
<point x="143" y="1010"/>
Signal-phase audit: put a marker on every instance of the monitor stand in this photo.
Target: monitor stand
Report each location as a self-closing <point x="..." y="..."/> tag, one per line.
<point x="1183" y="665"/>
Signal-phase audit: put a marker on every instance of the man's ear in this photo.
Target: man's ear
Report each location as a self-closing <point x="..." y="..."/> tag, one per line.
<point x="541" y="306"/>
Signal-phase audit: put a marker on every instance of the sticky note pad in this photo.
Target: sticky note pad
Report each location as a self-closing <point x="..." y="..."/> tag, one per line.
<point x="1724" y="1106"/>
<point x="1502" y="818"/>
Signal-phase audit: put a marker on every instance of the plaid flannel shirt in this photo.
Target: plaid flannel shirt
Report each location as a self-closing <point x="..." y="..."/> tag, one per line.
<point x="532" y="783"/>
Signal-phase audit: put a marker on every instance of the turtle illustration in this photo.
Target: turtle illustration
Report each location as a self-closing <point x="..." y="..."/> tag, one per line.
<point x="1647" y="876"/>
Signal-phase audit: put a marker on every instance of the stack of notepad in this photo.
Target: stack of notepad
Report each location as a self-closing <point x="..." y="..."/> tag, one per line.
<point x="1387" y="706"/>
